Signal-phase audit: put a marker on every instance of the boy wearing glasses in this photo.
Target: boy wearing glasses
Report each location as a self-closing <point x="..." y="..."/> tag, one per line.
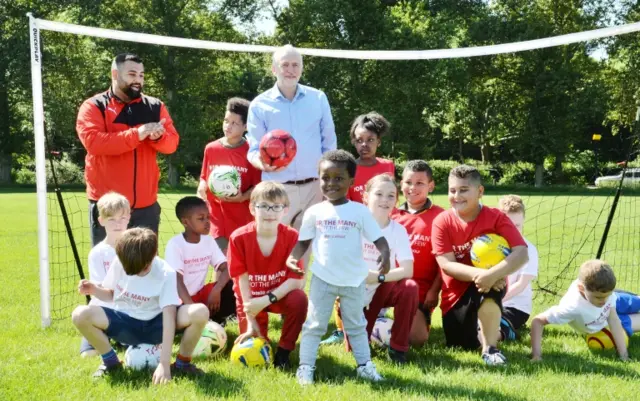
<point x="228" y="213"/>
<point x="263" y="284"/>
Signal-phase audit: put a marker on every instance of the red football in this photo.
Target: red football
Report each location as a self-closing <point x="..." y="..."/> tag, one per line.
<point x="277" y="148"/>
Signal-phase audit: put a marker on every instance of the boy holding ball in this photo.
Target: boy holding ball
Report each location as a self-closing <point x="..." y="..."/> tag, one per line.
<point x="471" y="295"/>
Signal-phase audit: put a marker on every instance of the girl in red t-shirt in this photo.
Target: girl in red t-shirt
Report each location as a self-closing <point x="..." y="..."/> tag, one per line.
<point x="227" y="214"/>
<point x="366" y="133"/>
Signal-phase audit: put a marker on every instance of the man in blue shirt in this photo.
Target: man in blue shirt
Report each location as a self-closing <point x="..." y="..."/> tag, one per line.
<point x="302" y="111"/>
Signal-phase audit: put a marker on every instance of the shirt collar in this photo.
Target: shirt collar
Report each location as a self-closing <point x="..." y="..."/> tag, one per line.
<point x="275" y="93"/>
<point x="405" y="207"/>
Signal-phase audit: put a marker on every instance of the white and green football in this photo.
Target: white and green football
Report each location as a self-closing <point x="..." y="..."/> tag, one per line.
<point x="224" y="181"/>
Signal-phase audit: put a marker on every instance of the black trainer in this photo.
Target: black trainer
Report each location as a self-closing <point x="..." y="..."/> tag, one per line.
<point x="103" y="370"/>
<point x="281" y="359"/>
<point x="397" y="357"/>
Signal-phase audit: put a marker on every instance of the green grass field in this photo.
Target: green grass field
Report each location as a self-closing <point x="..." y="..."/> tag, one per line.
<point x="43" y="364"/>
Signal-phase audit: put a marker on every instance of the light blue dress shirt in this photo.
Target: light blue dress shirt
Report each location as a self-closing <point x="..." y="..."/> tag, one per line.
<point x="307" y="118"/>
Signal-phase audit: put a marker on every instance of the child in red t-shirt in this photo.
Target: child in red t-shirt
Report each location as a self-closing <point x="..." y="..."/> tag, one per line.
<point x="227" y="214"/>
<point x="417" y="215"/>
<point x="262" y="282"/>
<point x="366" y="131"/>
<point x="472" y="296"/>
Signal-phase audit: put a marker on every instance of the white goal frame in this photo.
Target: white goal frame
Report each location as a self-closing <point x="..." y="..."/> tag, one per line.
<point x="36" y="25"/>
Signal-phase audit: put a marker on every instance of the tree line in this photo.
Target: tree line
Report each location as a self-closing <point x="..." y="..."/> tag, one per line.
<point x="539" y="107"/>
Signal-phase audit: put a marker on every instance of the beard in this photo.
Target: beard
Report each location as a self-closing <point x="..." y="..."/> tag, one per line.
<point x="131" y="92"/>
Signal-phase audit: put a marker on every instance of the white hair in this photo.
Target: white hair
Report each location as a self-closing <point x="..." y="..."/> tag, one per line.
<point x="283" y="52"/>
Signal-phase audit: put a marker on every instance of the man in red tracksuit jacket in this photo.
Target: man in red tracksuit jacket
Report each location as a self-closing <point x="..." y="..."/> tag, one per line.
<point x="123" y="130"/>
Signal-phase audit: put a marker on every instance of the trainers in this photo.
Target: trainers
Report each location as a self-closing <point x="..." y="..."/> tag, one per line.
<point x="493" y="357"/>
<point x="397" y="357"/>
<point x="304" y="374"/>
<point x="281" y="359"/>
<point x="103" y="370"/>
<point x="368" y="372"/>
<point x="337" y="337"/>
<point x="189" y="370"/>
<point x="507" y="331"/>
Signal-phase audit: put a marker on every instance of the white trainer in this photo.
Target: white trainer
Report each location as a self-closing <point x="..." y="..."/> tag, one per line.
<point x="369" y="372"/>
<point x="304" y="374"/>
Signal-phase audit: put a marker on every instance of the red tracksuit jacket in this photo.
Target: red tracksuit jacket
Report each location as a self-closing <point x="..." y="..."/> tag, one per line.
<point x="116" y="159"/>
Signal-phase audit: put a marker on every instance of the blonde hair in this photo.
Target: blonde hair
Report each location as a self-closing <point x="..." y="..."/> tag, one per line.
<point x="136" y="249"/>
<point x="378" y="179"/>
<point x="112" y="203"/>
<point x="511" y="204"/>
<point x="597" y="276"/>
<point x="269" y="191"/>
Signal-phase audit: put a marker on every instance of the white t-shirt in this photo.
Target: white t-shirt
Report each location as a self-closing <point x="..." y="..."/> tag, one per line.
<point x="399" y="247"/>
<point x="142" y="297"/>
<point x="337" y="233"/>
<point x="100" y="258"/>
<point x="579" y="313"/>
<point x="193" y="260"/>
<point x="524" y="301"/>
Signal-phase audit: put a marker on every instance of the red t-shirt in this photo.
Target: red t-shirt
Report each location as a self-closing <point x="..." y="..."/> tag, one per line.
<point x="450" y="234"/>
<point x="266" y="273"/>
<point x="418" y="226"/>
<point x="227" y="216"/>
<point x="365" y="173"/>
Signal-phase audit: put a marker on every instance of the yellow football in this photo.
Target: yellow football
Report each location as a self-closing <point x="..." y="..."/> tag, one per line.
<point x="252" y="352"/>
<point x="488" y="250"/>
<point x="603" y="340"/>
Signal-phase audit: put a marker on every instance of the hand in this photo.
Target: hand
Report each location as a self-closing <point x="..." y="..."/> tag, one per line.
<point x="372" y="277"/>
<point x="247" y="335"/>
<point x="151" y="130"/>
<point x="383" y="264"/>
<point x="86" y="287"/>
<point x="154" y="136"/>
<point x="431" y="300"/>
<point x="237" y="198"/>
<point x="269" y="169"/>
<point x="624" y="358"/>
<point x="500" y="285"/>
<point x="484" y="280"/>
<point x="292" y="264"/>
<point x="536" y="358"/>
<point x="256" y="305"/>
<point x="213" y="302"/>
<point x="162" y="374"/>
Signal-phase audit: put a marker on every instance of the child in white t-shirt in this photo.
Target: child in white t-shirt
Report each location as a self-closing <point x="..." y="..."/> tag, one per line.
<point x="590" y="305"/>
<point x="191" y="254"/>
<point x="518" y="301"/>
<point x="336" y="227"/>
<point x="143" y="293"/>
<point x="395" y="289"/>
<point x="114" y="213"/>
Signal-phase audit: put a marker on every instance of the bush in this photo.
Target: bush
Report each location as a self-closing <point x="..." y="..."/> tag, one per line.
<point x="517" y="173"/>
<point x="67" y="172"/>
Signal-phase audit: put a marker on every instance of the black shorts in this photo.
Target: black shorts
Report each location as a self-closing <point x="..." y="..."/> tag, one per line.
<point x="516" y="317"/>
<point x="460" y="324"/>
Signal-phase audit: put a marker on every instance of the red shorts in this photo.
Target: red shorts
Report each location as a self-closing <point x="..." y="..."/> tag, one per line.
<point x="202" y="296"/>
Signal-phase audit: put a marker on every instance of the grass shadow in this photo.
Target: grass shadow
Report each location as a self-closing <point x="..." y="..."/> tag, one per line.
<point x="211" y="384"/>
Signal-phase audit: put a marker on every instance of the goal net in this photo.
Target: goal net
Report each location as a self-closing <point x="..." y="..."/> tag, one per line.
<point x="567" y="228"/>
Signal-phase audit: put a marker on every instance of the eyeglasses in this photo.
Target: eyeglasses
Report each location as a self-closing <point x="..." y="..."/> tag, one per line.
<point x="266" y="208"/>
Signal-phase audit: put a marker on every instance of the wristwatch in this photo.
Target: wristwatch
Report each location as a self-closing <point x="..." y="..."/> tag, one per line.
<point x="381" y="278"/>
<point x="272" y="298"/>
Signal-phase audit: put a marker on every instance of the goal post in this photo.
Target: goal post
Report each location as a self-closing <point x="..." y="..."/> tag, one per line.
<point x="37" y="25"/>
